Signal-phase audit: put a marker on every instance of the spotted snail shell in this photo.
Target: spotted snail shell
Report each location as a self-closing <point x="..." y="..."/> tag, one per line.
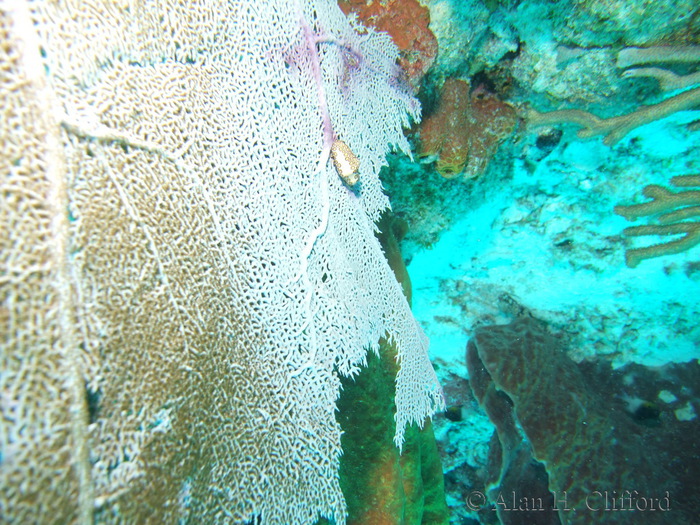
<point x="345" y="162"/>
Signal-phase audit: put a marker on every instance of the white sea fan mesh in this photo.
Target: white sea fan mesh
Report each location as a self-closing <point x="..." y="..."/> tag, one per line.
<point x="184" y="275"/>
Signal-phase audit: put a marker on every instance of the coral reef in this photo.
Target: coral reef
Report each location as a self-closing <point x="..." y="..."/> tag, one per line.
<point x="426" y="200"/>
<point x="466" y="129"/>
<point x="407" y="22"/>
<point x="463" y="434"/>
<point x="529" y="56"/>
<point x="549" y="73"/>
<point x="616" y="128"/>
<point x="544" y="232"/>
<point x="549" y="238"/>
<point x="674" y="208"/>
<point x="588" y="451"/>
<point x="471" y="35"/>
<point x="475" y="36"/>
<point x="590" y="23"/>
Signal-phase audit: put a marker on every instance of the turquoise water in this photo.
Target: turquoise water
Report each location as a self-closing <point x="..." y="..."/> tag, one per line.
<point x="579" y="394"/>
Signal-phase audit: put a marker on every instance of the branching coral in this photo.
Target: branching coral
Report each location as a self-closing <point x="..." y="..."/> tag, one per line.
<point x="668" y="80"/>
<point x="615" y="128"/>
<point x="674" y="208"/>
<point x="634" y="56"/>
<point x="466" y="129"/>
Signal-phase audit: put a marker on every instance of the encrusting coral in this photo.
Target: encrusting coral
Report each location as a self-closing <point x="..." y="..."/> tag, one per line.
<point x="674" y="208"/>
<point x="466" y="129"/>
<point x="541" y="405"/>
<point x="406" y="21"/>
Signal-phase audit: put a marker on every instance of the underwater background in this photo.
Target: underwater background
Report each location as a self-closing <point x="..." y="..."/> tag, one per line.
<point x="545" y="126"/>
<point x="199" y="321"/>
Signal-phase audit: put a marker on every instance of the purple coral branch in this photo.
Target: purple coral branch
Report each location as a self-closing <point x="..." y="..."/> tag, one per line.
<point x="312" y="40"/>
<point x="352" y="59"/>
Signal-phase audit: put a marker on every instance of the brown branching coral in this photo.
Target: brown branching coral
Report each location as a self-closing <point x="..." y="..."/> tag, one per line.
<point x="668" y="80"/>
<point x="634" y="56"/>
<point x="614" y="129"/>
<point x="675" y="208"/>
<point x="466" y="129"/>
